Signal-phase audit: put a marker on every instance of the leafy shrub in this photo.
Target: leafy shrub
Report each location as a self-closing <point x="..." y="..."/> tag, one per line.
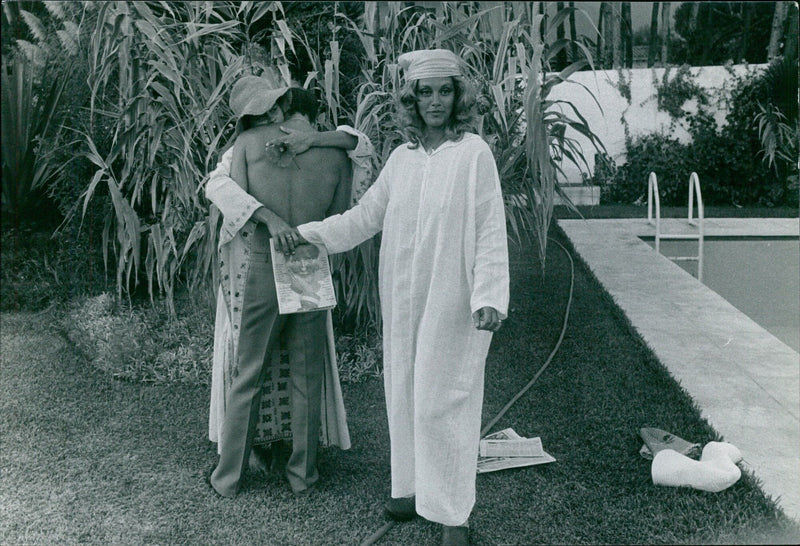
<point x="777" y="120"/>
<point x="724" y="162"/>
<point x="47" y="47"/>
<point x="657" y="152"/>
<point x="144" y="343"/>
<point x="65" y="191"/>
<point x="41" y="268"/>
<point x="728" y="160"/>
<point x="359" y="356"/>
<point x="611" y="178"/>
<point x="29" y="114"/>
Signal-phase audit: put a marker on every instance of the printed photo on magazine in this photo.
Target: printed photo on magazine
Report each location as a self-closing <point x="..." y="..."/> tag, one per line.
<point x="303" y="280"/>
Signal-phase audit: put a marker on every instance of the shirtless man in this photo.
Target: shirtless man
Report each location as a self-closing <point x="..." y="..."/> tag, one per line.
<point x="309" y="187"/>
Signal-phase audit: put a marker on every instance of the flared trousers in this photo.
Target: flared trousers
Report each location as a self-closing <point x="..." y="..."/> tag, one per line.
<point x="262" y="329"/>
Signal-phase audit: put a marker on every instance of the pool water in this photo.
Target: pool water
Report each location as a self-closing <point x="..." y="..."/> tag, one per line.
<point x="760" y="276"/>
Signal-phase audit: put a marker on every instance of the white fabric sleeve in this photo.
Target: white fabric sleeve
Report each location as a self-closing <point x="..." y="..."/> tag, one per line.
<point x="490" y="273"/>
<point x="235" y="204"/>
<point x="362" y="157"/>
<point x="341" y="232"/>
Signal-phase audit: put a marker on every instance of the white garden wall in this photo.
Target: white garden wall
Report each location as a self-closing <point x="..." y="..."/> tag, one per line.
<point x="641" y="115"/>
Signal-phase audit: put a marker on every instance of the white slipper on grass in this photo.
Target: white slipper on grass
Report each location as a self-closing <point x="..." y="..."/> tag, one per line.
<point x="714" y="472"/>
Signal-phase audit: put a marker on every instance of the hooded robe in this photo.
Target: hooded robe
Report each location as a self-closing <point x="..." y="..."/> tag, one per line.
<point x="443" y="256"/>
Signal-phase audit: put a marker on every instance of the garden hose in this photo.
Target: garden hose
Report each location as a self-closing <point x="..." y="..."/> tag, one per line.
<point x="517" y="396"/>
<point x="377" y="535"/>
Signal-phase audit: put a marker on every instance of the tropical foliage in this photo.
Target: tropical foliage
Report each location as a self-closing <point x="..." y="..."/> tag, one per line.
<point x="717" y="32"/>
<point x="777" y="120"/>
<point x="508" y="56"/>
<point x="750" y="160"/>
<point x="159" y="75"/>
<point x="28" y="120"/>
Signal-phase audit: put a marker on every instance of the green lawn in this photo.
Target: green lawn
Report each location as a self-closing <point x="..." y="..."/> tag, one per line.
<point x="86" y="458"/>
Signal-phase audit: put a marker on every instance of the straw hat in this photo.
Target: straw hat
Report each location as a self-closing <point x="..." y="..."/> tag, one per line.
<point x="253" y="96"/>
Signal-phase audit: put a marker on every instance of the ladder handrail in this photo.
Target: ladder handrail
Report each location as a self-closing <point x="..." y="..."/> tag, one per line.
<point x="652" y="182"/>
<point x="694" y="188"/>
<point x="652" y="193"/>
<point x="654" y="198"/>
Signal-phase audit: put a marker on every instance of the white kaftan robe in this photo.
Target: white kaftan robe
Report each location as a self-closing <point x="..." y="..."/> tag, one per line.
<point x="237" y="207"/>
<point x="443" y="256"/>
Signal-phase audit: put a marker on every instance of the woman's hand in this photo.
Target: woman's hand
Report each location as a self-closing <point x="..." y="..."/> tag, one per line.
<point x="287" y="240"/>
<point x="487" y="318"/>
<point x="294" y="142"/>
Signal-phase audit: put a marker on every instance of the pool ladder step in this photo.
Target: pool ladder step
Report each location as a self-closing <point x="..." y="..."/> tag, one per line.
<point x="653" y="199"/>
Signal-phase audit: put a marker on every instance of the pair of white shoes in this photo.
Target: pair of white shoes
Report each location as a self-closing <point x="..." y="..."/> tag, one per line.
<point x="715" y="471"/>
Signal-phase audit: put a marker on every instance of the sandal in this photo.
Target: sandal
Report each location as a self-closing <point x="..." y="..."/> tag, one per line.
<point x="656" y="440"/>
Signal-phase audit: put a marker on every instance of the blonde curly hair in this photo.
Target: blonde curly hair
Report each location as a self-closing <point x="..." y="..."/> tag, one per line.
<point x="462" y="118"/>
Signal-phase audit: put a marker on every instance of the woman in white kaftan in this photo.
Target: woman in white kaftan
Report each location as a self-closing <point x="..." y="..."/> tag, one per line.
<point x="444" y="287"/>
<point x="238" y="223"/>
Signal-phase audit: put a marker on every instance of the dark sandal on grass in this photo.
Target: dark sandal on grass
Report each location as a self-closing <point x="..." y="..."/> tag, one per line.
<point x="455" y="536"/>
<point x="656" y="440"/>
<point x="403" y="509"/>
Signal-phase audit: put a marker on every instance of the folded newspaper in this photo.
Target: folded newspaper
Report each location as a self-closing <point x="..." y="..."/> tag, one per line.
<point x="303" y="279"/>
<point x="507" y="449"/>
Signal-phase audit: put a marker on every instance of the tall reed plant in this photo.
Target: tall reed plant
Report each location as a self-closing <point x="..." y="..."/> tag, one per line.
<point x="508" y="48"/>
<point x="160" y="73"/>
<point x="29" y="129"/>
<point x="159" y="77"/>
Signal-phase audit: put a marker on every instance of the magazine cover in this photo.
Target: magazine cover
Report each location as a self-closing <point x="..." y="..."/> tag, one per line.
<point x="303" y="280"/>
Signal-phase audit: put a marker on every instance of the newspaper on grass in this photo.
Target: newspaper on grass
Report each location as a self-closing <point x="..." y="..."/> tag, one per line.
<point x="507" y="449"/>
<point x="303" y="280"/>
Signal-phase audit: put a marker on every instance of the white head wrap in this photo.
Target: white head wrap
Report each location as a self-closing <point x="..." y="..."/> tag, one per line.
<point x="429" y="63"/>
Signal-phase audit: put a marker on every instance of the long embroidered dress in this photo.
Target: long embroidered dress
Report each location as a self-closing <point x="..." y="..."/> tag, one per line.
<point x="443" y="256"/>
<point x="237" y="207"/>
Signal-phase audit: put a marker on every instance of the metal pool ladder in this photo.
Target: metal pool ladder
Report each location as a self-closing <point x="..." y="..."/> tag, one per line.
<point x="694" y="188"/>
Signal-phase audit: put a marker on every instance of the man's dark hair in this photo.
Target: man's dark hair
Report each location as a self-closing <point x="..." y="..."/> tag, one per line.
<point x="302" y="101"/>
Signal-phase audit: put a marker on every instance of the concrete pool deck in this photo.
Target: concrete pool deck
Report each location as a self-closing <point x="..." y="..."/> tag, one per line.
<point x="745" y="381"/>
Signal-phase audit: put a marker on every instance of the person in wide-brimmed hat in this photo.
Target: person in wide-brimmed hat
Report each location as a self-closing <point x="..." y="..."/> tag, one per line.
<point x="244" y="350"/>
<point x="444" y="287"/>
<point x="254" y="99"/>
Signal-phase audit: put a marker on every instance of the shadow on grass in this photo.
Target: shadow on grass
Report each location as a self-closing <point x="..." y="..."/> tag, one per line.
<point x="86" y="458"/>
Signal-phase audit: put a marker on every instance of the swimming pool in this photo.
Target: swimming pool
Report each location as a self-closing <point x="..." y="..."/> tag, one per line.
<point x="760" y="276"/>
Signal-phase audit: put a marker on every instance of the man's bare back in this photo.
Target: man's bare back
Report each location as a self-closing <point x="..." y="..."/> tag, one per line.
<point x="315" y="184"/>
